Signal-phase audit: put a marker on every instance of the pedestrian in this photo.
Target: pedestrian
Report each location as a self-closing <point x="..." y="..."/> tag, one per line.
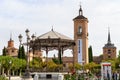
<point x="108" y="76"/>
<point x="115" y="76"/>
<point x="36" y="76"/>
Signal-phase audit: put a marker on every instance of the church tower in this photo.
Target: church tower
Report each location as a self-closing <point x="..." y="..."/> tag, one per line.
<point x="10" y="43"/>
<point x="11" y="50"/>
<point x="109" y="50"/>
<point x="81" y="38"/>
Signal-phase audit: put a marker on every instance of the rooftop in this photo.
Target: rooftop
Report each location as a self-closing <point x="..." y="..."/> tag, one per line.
<point x="53" y="35"/>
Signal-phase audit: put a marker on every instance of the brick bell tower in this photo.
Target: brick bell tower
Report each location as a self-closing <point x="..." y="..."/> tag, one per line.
<point x="81" y="38"/>
<point x="109" y="49"/>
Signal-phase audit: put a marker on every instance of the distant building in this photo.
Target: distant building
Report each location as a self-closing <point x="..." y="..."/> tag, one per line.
<point x="98" y="59"/>
<point x="36" y="54"/>
<point x="109" y="50"/>
<point x="11" y="50"/>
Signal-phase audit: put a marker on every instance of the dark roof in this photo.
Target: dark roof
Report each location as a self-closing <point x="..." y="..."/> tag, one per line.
<point x="80" y="17"/>
<point x="109" y="45"/>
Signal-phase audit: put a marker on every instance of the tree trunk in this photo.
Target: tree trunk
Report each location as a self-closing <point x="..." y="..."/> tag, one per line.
<point x="3" y="70"/>
<point x="13" y="72"/>
<point x="20" y="73"/>
<point x="8" y="72"/>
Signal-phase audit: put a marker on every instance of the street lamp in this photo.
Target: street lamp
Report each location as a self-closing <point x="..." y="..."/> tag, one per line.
<point x="20" y="38"/>
<point x="33" y="37"/>
<point x="10" y="62"/>
<point x="27" y="73"/>
<point x="28" y="39"/>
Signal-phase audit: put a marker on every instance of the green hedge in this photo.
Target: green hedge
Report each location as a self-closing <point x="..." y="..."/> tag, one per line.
<point x="3" y="78"/>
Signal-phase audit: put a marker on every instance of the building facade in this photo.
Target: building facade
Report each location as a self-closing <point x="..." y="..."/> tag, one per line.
<point x="11" y="50"/>
<point x="81" y="38"/>
<point x="109" y="50"/>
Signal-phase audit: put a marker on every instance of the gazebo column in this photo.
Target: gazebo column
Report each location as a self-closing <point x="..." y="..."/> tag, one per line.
<point x="46" y="58"/>
<point x="73" y="57"/>
<point x="62" y="51"/>
<point x="46" y="54"/>
<point x="59" y="54"/>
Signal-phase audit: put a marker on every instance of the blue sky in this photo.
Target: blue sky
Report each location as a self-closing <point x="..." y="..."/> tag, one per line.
<point x="40" y="15"/>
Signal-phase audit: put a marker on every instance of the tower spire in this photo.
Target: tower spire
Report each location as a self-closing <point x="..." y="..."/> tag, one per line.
<point x="52" y="28"/>
<point x="10" y="36"/>
<point x="80" y="10"/>
<point x="109" y="39"/>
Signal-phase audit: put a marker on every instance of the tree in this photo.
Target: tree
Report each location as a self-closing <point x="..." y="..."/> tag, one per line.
<point x="55" y="60"/>
<point x="90" y="54"/>
<point x="77" y="66"/>
<point x="60" y="58"/>
<point x="21" y="52"/>
<point x="16" y="64"/>
<point x="92" y="67"/>
<point x="36" y="64"/>
<point x="3" y="77"/>
<point x="119" y="56"/>
<point x="4" y="51"/>
<point x="51" y="66"/>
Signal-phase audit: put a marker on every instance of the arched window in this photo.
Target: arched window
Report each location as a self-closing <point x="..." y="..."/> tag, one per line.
<point x="80" y="30"/>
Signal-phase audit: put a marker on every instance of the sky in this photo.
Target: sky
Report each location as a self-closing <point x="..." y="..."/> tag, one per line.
<point x="40" y="15"/>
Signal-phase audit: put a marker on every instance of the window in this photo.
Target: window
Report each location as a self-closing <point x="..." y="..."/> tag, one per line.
<point x="80" y="30"/>
<point x="12" y="50"/>
<point x="109" y="56"/>
<point x="109" y="51"/>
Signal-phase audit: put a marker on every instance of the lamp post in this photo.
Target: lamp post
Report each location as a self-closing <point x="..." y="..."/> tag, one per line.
<point x="27" y="72"/>
<point x="28" y="39"/>
<point x="20" y="38"/>
<point x="10" y="62"/>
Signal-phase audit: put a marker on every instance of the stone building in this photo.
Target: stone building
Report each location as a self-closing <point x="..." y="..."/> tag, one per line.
<point x="10" y="49"/>
<point x="109" y="50"/>
<point x="98" y="59"/>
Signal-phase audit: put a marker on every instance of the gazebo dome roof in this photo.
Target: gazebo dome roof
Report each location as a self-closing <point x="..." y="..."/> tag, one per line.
<point x="53" y="35"/>
<point x="52" y="40"/>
